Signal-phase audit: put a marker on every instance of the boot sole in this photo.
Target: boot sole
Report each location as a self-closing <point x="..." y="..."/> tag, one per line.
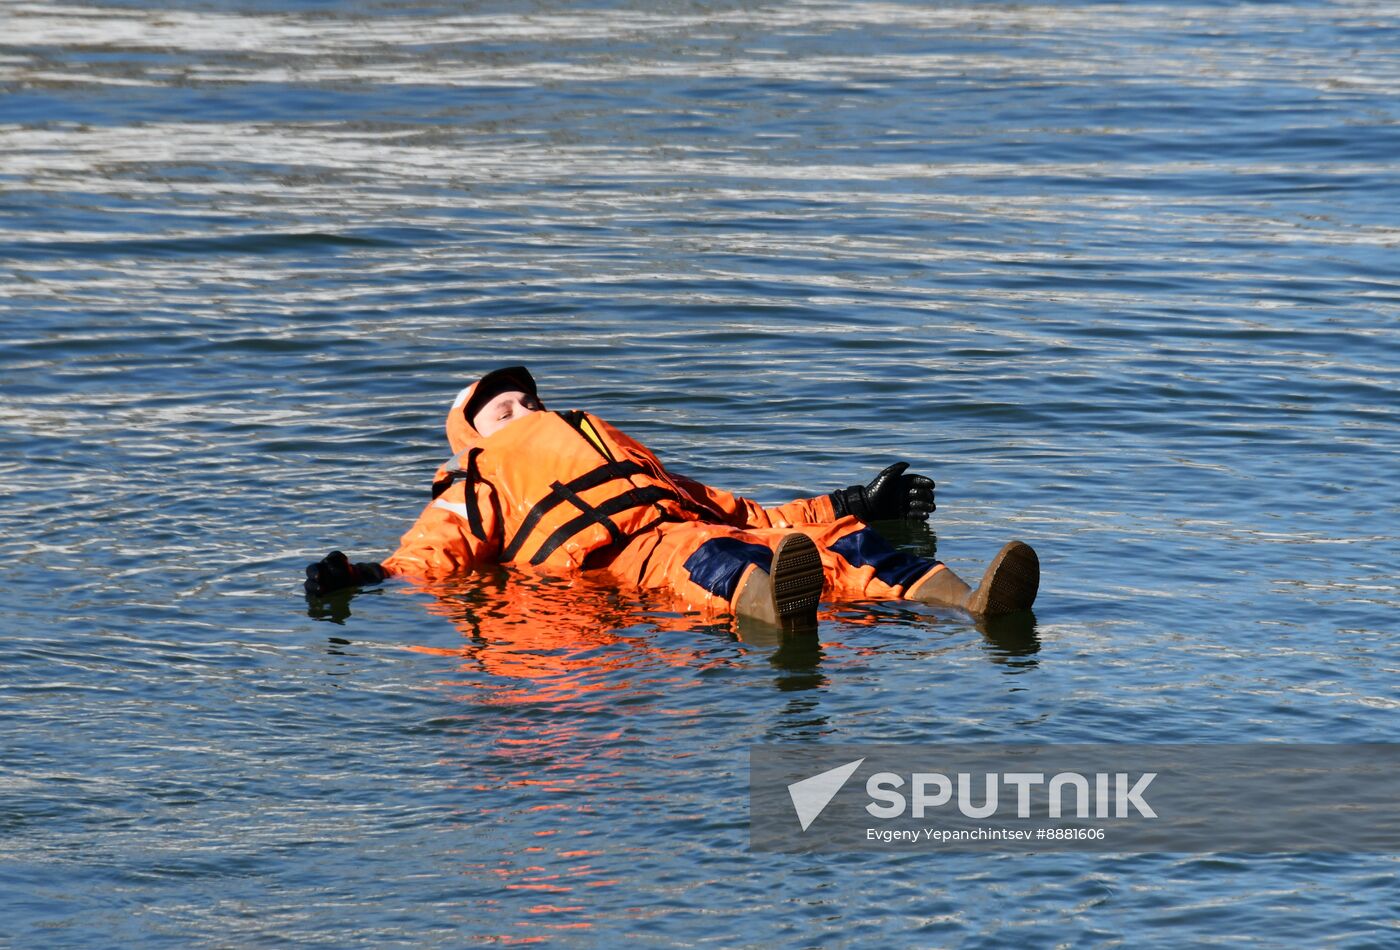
<point x="797" y="578"/>
<point x="1010" y="584"/>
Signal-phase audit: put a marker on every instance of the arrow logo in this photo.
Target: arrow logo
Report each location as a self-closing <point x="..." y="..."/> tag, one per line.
<point x="811" y="795"/>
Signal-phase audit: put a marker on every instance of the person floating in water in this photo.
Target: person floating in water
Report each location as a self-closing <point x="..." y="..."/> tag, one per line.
<point x="566" y="491"/>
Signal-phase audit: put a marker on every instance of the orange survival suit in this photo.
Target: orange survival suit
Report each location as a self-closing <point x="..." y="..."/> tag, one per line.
<point x="566" y="491"/>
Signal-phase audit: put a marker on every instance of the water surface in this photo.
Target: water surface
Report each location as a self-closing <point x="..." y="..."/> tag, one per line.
<point x="1120" y="277"/>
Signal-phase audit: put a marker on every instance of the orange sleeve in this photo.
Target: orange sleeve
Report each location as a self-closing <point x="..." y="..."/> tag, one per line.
<point x="743" y="513"/>
<point x="441" y="541"/>
<point x="731" y="508"/>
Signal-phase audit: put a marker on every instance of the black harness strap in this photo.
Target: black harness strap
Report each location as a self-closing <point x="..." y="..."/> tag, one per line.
<point x="472" y="474"/>
<point x="444" y="483"/>
<point x="569" y="492"/>
<point x="473" y="510"/>
<point x="583" y="506"/>
<point x="636" y="498"/>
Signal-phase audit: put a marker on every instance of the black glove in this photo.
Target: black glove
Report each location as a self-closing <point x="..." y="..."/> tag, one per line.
<point x="891" y="494"/>
<point x="334" y="571"/>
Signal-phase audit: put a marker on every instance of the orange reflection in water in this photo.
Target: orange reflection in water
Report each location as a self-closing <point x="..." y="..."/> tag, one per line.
<point x="566" y="637"/>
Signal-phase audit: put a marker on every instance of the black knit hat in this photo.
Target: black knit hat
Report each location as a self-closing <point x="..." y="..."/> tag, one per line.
<point x="496" y="382"/>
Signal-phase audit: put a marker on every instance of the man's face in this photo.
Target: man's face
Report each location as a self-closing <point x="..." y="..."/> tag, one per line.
<point x="502" y="410"/>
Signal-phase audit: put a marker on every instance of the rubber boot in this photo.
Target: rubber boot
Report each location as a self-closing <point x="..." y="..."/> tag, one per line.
<point x="941" y="587"/>
<point x="788" y="594"/>
<point x="1009" y="584"/>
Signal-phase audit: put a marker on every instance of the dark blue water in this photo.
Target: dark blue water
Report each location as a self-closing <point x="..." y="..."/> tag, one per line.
<point x="1121" y="278"/>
